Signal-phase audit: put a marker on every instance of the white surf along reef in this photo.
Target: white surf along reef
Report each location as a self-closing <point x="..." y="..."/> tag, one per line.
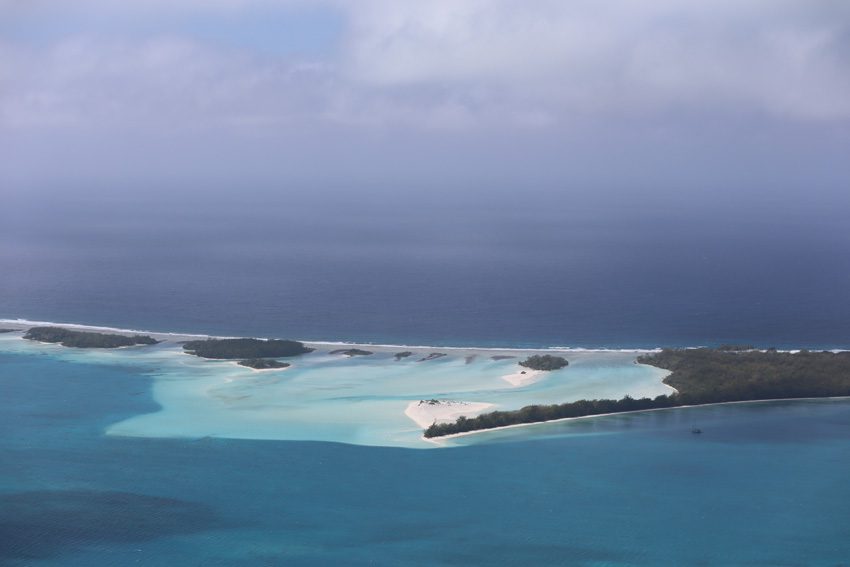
<point x="374" y="399"/>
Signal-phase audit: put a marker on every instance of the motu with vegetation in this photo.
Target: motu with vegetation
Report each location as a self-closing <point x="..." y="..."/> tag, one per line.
<point x="351" y="352"/>
<point x="263" y="363"/>
<point x="245" y="348"/>
<point x="707" y="375"/>
<point x="85" y="339"/>
<point x="432" y="356"/>
<point x="544" y="362"/>
<point x="700" y="376"/>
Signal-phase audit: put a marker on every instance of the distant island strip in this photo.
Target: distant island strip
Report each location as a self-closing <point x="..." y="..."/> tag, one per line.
<point x="85" y="339"/>
<point x="258" y="354"/>
<point x="699" y="376"/>
<point x="264" y="364"/>
<point x="245" y="348"/>
<point x="351" y="352"/>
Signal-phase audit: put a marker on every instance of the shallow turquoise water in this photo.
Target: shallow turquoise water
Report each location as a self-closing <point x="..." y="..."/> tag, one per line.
<point x="324" y="397"/>
<point x="765" y="484"/>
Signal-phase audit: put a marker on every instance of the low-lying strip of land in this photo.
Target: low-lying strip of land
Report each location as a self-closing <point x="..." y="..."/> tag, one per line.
<point x="700" y="376"/>
<point x="85" y="339"/>
<point x="245" y="348"/>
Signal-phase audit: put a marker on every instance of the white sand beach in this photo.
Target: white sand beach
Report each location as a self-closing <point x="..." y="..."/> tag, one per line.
<point x="243" y="367"/>
<point x="426" y="412"/>
<point x="523" y="377"/>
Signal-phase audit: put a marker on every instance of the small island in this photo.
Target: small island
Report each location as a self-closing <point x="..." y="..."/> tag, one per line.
<point x="432" y="356"/>
<point x="537" y="365"/>
<point x="351" y="352"/>
<point x="544" y="362"/>
<point x="263" y="363"/>
<point x="85" y="339"/>
<point x="245" y="348"/>
<point x="7" y="331"/>
<point x="699" y="376"/>
<point x="399" y="355"/>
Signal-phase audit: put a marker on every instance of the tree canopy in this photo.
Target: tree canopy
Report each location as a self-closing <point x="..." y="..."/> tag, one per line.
<point x="245" y="348"/>
<point x="85" y="339"/>
<point x="263" y="363"/>
<point x="544" y="362"/>
<point x="700" y="376"/>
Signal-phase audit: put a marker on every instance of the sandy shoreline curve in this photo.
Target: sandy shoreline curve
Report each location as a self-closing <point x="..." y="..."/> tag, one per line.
<point x="564" y="419"/>
<point x="426" y="412"/>
<point x="242" y="366"/>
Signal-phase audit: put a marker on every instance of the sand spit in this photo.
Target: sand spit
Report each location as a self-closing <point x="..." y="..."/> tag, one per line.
<point x="426" y="412"/>
<point x="523" y="377"/>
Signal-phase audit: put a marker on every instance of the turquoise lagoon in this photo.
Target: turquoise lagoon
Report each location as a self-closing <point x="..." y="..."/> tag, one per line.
<point x="332" y="397"/>
<point x="153" y="457"/>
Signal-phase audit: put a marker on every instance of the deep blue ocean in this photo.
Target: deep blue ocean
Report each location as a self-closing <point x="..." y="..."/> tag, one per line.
<point x="497" y="269"/>
<point x="765" y="484"/>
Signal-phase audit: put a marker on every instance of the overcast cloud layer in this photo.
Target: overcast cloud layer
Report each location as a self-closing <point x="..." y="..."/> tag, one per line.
<point x="736" y="92"/>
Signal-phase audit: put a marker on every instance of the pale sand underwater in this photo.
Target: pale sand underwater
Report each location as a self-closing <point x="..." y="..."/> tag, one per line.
<point x="368" y="400"/>
<point x="523" y="377"/>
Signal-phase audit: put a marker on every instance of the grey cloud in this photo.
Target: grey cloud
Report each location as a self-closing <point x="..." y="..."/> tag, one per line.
<point x="460" y="65"/>
<point x="161" y="82"/>
<point x="783" y="57"/>
<point x="574" y="93"/>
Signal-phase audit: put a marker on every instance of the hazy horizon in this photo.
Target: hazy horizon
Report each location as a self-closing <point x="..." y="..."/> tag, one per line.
<point x="589" y="100"/>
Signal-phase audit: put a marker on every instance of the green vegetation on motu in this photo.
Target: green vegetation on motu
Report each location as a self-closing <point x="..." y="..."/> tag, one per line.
<point x="263" y="363"/>
<point x="432" y="356"/>
<point x="544" y="362"/>
<point x="85" y="339"/>
<point x="400" y="355"/>
<point x="707" y="375"/>
<point x="700" y="376"/>
<point x="245" y="348"/>
<point x="351" y="352"/>
<point x="7" y="330"/>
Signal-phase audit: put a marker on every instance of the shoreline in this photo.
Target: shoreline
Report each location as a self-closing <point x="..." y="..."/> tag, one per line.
<point x="564" y="419"/>
<point x="443" y="410"/>
<point x="24" y="324"/>
<point x="21" y="324"/>
<point x="237" y="365"/>
<point x="523" y="377"/>
<point x="424" y="414"/>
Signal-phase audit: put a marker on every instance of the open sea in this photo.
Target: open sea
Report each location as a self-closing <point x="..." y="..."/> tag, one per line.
<point x="109" y="459"/>
<point x="518" y="269"/>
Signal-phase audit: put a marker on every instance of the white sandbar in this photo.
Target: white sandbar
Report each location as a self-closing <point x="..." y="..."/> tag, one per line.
<point x="523" y="377"/>
<point x="242" y="366"/>
<point x="426" y="412"/>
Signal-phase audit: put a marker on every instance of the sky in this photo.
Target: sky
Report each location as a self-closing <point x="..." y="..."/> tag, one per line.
<point x="649" y="99"/>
